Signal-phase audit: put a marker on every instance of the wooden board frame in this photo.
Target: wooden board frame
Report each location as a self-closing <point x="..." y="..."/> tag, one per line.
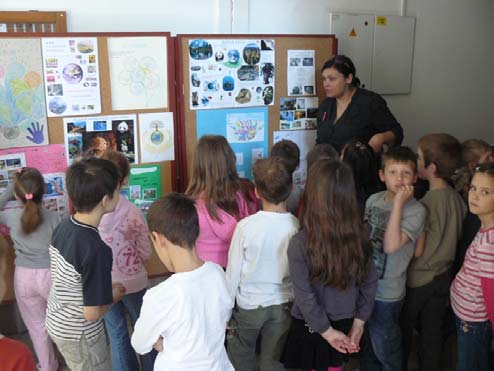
<point x="325" y="46"/>
<point x="58" y="19"/>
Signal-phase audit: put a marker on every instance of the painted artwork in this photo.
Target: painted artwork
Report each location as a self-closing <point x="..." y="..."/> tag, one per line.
<point x="156" y="137"/>
<point x="138" y="72"/>
<point x="94" y="135"/>
<point x="22" y="99"/>
<point x="231" y="73"/>
<point x="71" y="76"/>
<point x="245" y="130"/>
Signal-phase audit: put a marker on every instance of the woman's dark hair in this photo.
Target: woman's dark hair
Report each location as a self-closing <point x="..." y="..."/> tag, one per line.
<point x="337" y="247"/>
<point x="29" y="187"/>
<point x="343" y="65"/>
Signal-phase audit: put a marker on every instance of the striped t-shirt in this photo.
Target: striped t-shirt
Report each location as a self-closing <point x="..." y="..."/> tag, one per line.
<point x="81" y="276"/>
<point x="467" y="299"/>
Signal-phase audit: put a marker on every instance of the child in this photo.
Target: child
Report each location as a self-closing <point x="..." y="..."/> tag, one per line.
<point x="396" y="220"/>
<point x="362" y="159"/>
<point x="81" y="264"/>
<point x="333" y="276"/>
<point x="290" y="153"/>
<point x="472" y="291"/>
<point x="320" y="151"/>
<point x="15" y="356"/>
<point x="185" y="316"/>
<point x="429" y="274"/>
<point x="30" y="229"/>
<point x="126" y="232"/>
<point x="257" y="273"/>
<point x="220" y="202"/>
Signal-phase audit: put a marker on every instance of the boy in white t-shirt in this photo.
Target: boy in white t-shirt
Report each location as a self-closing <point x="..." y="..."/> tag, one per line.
<point x="257" y="272"/>
<point x="184" y="317"/>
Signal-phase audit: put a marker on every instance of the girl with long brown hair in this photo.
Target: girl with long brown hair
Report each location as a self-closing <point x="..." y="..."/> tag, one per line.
<point x="220" y="198"/>
<point x="333" y="276"/>
<point x="31" y="227"/>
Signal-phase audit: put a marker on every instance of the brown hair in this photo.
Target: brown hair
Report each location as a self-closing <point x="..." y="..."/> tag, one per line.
<point x="214" y="176"/>
<point x="402" y="154"/>
<point x="289" y="152"/>
<point x="272" y="179"/>
<point x="120" y="161"/>
<point x="472" y="150"/>
<point x="320" y="151"/>
<point x="337" y="248"/>
<point x="29" y="187"/>
<point x="175" y="217"/>
<point x="443" y="150"/>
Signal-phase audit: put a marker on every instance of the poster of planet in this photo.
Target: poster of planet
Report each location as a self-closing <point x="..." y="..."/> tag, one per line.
<point x="71" y="76"/>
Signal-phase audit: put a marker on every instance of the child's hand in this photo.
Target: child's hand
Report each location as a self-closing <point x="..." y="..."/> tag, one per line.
<point x="355" y="335"/>
<point x="404" y="194"/>
<point x="337" y="339"/>
<point x="118" y="291"/>
<point x="159" y="344"/>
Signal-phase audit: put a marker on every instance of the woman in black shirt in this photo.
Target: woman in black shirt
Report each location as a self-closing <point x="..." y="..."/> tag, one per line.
<point x="350" y="112"/>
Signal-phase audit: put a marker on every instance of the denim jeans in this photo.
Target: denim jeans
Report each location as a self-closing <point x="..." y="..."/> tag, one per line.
<point x="474" y="342"/>
<point x="383" y="350"/>
<point x="123" y="356"/>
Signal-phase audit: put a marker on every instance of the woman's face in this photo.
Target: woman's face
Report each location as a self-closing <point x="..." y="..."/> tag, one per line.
<point x="335" y="84"/>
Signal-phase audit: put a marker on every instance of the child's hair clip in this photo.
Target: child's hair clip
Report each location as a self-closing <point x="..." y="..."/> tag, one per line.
<point x="19" y="170"/>
<point x="28" y="196"/>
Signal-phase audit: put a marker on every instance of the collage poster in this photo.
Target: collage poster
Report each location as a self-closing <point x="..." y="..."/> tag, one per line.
<point x="22" y="94"/>
<point x="144" y="186"/>
<point x="298" y="113"/>
<point x="96" y="134"/>
<point x="246" y="130"/>
<point x="138" y="72"/>
<point x="156" y="137"/>
<point x="300" y="74"/>
<point x="306" y="140"/>
<point x="71" y="76"/>
<point x="228" y="73"/>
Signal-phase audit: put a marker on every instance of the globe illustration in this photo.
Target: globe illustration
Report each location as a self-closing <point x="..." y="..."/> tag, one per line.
<point x="157" y="137"/>
<point x="72" y="73"/>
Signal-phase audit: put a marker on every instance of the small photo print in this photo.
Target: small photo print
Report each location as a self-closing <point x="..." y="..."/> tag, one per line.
<point x="294" y="62"/>
<point x="312" y="113"/>
<point x="100" y="125"/>
<point x="149" y="194"/>
<point x="308" y="62"/>
<point x="55" y="90"/>
<point x="286" y="115"/>
<point x="299" y="115"/>
<point x="287" y="104"/>
<point x="2" y="165"/>
<point x="284" y="125"/>
<point x="297" y="124"/>
<point x="310" y="124"/>
<point x="301" y="103"/>
<point x="257" y="154"/>
<point x="13" y="162"/>
<point x="135" y="191"/>
<point x="309" y="89"/>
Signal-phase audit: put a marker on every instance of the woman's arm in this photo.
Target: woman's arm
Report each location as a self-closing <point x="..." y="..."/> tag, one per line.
<point x="389" y="131"/>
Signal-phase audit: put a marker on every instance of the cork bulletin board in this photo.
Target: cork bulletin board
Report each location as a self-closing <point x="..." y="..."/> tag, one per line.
<point x="323" y="45"/>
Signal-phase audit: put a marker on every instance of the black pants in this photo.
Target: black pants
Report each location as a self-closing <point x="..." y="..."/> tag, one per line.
<point x="424" y="309"/>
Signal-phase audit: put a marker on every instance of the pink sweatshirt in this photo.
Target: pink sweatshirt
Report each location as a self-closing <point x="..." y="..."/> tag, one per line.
<point x="215" y="236"/>
<point x="126" y="232"/>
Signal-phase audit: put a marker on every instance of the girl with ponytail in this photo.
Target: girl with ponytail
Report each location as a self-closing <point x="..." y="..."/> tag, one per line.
<point x="31" y="228"/>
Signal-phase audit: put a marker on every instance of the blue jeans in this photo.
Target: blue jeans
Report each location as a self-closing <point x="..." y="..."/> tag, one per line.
<point x="123" y="356"/>
<point x="474" y="342"/>
<point x="383" y="350"/>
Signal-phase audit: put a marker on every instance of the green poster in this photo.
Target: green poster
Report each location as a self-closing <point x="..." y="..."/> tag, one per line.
<point x="144" y="185"/>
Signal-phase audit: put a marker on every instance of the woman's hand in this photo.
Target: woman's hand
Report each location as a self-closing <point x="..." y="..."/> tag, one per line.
<point x="376" y="142"/>
<point x="337" y="339"/>
<point x="355" y="335"/>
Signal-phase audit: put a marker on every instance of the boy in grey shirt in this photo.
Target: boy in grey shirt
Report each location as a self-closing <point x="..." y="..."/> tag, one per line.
<point x="396" y="220"/>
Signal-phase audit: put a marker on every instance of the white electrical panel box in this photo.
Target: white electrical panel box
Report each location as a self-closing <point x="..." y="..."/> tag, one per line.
<point x="380" y="46"/>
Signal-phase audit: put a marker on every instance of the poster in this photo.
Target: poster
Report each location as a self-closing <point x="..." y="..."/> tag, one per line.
<point x="138" y="72"/>
<point x="22" y="96"/>
<point x="301" y="74"/>
<point x="298" y="113"/>
<point x="50" y="160"/>
<point x="156" y="137"/>
<point x="306" y="140"/>
<point x="96" y="134"/>
<point x="71" y="76"/>
<point x="245" y="129"/>
<point x="144" y="186"/>
<point x="231" y="73"/>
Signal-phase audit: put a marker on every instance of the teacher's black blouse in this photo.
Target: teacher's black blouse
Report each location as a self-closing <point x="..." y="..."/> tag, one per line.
<point x="366" y="115"/>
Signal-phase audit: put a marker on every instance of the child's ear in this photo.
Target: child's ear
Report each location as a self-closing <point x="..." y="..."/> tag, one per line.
<point x="257" y="193"/>
<point x="381" y="175"/>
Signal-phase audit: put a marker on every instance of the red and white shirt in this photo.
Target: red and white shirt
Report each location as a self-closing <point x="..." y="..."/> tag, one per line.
<point x="467" y="299"/>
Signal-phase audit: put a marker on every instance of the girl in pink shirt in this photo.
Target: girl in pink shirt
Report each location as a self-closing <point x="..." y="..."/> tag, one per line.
<point x="126" y="232"/>
<point x="220" y="197"/>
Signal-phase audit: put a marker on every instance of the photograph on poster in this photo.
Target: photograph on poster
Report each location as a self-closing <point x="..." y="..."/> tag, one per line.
<point x="298" y="113"/>
<point x="95" y="135"/>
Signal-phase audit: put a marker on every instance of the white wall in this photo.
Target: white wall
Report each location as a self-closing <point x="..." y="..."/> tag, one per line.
<point x="453" y="74"/>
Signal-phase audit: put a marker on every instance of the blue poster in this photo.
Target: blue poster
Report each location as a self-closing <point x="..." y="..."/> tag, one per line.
<point x="245" y="129"/>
